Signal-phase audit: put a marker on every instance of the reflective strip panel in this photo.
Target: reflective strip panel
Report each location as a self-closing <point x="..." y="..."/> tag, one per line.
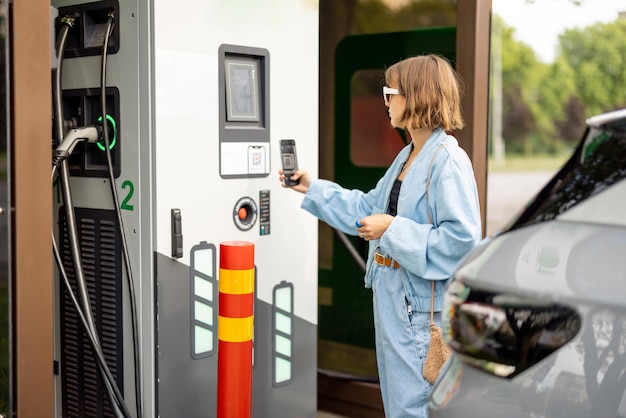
<point x="204" y="340"/>
<point x="203" y="287"/>
<point x="282" y="330"/>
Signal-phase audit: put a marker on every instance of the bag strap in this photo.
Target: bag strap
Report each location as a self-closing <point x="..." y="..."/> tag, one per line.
<point x="432" y="304"/>
<point x="430" y="219"/>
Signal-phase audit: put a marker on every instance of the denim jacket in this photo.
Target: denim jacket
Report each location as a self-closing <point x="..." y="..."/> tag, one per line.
<point x="425" y="251"/>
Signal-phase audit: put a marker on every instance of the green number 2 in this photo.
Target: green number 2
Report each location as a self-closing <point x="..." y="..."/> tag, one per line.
<point x="126" y="184"/>
<point x="131" y="189"/>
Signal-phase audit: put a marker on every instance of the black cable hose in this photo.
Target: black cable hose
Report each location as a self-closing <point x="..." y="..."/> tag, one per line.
<point x="119" y="399"/>
<point x="120" y="223"/>
<point x="63" y="168"/>
<point x="80" y="277"/>
<point x="72" y="233"/>
<point x="58" y="109"/>
<point x="67" y="197"/>
<point x="90" y="328"/>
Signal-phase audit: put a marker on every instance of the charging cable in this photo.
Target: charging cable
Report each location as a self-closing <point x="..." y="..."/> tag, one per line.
<point x="120" y="223"/>
<point x="60" y="156"/>
<point x="92" y="339"/>
<point x="67" y="22"/>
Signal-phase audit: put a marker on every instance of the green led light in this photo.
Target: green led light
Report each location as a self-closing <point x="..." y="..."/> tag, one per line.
<point x="112" y="143"/>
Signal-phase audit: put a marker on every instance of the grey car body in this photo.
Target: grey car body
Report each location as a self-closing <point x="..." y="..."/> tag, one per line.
<point x="536" y="315"/>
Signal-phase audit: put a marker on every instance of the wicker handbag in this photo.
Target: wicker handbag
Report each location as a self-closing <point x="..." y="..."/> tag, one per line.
<point x="438" y="351"/>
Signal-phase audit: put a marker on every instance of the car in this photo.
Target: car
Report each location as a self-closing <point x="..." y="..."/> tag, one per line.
<point x="535" y="315"/>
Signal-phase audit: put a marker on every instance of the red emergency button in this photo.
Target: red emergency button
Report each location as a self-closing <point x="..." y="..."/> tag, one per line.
<point x="245" y="213"/>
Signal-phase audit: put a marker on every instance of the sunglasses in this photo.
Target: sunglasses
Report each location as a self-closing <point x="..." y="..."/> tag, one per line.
<point x="387" y="92"/>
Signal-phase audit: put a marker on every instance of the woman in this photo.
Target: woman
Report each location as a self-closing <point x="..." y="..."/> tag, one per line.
<point x="416" y="236"/>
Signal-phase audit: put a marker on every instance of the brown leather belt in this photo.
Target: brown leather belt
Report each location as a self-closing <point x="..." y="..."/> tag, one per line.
<point x="385" y="261"/>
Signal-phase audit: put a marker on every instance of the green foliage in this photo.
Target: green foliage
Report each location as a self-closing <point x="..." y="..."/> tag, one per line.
<point x="571" y="126"/>
<point x="545" y="105"/>
<point x="521" y="77"/>
<point x="519" y="62"/>
<point x="597" y="55"/>
<point x="518" y="120"/>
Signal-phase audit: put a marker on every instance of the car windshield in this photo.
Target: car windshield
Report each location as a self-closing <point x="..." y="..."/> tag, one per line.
<point x="598" y="162"/>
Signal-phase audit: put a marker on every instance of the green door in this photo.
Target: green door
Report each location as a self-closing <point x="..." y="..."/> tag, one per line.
<point x="364" y="146"/>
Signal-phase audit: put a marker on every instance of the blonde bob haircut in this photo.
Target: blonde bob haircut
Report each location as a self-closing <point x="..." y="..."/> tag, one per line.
<point x="432" y="90"/>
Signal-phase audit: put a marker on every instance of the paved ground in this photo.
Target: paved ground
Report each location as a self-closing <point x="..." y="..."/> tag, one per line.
<point x="508" y="193"/>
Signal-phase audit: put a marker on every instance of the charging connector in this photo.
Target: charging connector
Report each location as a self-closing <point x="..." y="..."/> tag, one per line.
<point x="92" y="134"/>
<point x="89" y="134"/>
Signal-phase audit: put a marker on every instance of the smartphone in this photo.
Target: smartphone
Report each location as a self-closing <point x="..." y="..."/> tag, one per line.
<point x="289" y="159"/>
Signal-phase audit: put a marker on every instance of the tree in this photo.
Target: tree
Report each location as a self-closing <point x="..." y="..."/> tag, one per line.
<point x="521" y="75"/>
<point x="597" y="55"/>
<point x="555" y="91"/>
<point x="518" y="120"/>
<point x="572" y="125"/>
<point x="548" y="103"/>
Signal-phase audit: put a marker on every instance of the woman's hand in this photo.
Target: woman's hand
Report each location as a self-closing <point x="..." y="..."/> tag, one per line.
<point x="374" y="226"/>
<point x="303" y="175"/>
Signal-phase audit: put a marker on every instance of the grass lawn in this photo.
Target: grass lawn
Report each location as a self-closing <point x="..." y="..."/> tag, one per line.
<point x="529" y="163"/>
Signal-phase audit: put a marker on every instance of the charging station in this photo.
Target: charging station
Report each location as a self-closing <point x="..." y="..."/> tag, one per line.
<point x="177" y="110"/>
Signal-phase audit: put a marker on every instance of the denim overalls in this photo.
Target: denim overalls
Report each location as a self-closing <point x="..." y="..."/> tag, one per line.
<point x="424" y="251"/>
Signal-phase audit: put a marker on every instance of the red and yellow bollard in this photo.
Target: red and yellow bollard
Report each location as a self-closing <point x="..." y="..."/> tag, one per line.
<point x="234" y="329"/>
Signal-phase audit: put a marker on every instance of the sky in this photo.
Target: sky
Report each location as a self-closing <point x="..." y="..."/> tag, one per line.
<point x="539" y="23"/>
